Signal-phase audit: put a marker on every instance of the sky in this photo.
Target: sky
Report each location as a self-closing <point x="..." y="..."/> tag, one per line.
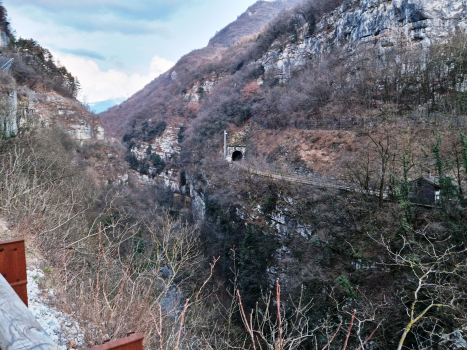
<point x="116" y="47"/>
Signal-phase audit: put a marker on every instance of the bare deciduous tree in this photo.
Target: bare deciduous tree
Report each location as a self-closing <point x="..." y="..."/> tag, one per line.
<point x="435" y="268"/>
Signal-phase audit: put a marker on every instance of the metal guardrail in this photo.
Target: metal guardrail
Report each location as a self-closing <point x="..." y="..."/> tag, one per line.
<point x="19" y="330"/>
<point x="297" y="179"/>
<point x="132" y="342"/>
<point x="322" y="184"/>
<point x="13" y="266"/>
<point x="5" y="66"/>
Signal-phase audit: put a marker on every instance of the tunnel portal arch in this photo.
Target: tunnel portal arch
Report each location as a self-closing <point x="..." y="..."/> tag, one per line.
<point x="235" y="153"/>
<point x="236" y="156"/>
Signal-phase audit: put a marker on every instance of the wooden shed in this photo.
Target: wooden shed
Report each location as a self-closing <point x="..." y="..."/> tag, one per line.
<point x="425" y="190"/>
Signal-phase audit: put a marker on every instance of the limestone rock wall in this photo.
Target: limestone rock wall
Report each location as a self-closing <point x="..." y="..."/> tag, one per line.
<point x="202" y="87"/>
<point x="4" y="39"/>
<point x="166" y="145"/>
<point x="379" y="23"/>
<point x="168" y="148"/>
<point x="45" y="110"/>
<point x="8" y="109"/>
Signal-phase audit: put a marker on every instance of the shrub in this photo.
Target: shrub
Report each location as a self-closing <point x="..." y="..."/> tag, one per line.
<point x="153" y="130"/>
<point x="144" y="169"/>
<point x="133" y="161"/>
<point x="180" y="134"/>
<point x="182" y="178"/>
<point x="157" y="163"/>
<point x="4" y="23"/>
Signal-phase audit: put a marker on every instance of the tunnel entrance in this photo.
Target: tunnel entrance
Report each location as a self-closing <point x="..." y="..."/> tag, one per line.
<point x="236" y="156"/>
<point x="235" y="153"/>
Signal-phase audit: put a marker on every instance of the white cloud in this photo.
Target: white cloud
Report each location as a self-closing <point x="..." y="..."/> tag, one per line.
<point x="98" y="85"/>
<point x="159" y="65"/>
<point x="137" y="10"/>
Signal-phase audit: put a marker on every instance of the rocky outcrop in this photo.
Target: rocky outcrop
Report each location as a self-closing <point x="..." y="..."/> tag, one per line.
<point x="198" y="204"/>
<point x="8" y="110"/>
<point x="48" y="109"/>
<point x="4" y="39"/>
<point x="167" y="147"/>
<point x="379" y="23"/>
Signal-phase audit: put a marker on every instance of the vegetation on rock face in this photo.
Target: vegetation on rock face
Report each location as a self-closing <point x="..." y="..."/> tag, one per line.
<point x="4" y="24"/>
<point x="350" y="250"/>
<point x="35" y="66"/>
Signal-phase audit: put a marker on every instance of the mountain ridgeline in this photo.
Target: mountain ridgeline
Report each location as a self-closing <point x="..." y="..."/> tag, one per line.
<point x="250" y="22"/>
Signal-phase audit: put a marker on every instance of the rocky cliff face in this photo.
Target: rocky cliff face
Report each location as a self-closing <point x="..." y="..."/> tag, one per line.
<point x="167" y="147"/>
<point x="51" y="109"/>
<point x="4" y="39"/>
<point x="380" y="24"/>
<point x="8" y="111"/>
<point x="69" y="114"/>
<point x="22" y="107"/>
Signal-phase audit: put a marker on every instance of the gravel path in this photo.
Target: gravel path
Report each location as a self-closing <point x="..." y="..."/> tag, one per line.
<point x="61" y="327"/>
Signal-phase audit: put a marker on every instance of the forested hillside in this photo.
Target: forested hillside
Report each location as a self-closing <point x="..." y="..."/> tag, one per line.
<point x="362" y="102"/>
<point x="194" y="65"/>
<point x="336" y="218"/>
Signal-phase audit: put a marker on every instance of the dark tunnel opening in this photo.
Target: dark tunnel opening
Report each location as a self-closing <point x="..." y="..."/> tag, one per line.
<point x="236" y="156"/>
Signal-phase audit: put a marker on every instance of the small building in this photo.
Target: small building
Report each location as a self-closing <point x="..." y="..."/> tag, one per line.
<point x="425" y="190"/>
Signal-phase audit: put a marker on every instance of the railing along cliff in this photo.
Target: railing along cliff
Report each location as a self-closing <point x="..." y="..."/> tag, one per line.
<point x="19" y="330"/>
<point x="322" y="183"/>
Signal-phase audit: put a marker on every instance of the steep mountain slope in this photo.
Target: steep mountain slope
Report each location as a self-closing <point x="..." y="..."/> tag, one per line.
<point x="143" y="102"/>
<point x="251" y="22"/>
<point x="344" y="183"/>
<point x="319" y="46"/>
<point x="340" y="110"/>
<point x="67" y="200"/>
<point x="379" y="25"/>
<point x="36" y="92"/>
<point x="38" y="95"/>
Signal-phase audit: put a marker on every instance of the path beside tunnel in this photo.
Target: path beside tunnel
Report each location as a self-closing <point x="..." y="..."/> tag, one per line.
<point x="322" y="183"/>
<point x="319" y="183"/>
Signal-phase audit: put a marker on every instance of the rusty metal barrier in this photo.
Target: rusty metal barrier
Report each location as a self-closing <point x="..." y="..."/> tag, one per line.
<point x="13" y="269"/>
<point x="132" y="342"/>
<point x="13" y="266"/>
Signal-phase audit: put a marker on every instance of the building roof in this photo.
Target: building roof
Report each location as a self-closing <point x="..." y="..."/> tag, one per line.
<point x="432" y="180"/>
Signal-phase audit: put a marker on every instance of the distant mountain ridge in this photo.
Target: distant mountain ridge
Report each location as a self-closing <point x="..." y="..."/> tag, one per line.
<point x="251" y="21"/>
<point x="140" y="105"/>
